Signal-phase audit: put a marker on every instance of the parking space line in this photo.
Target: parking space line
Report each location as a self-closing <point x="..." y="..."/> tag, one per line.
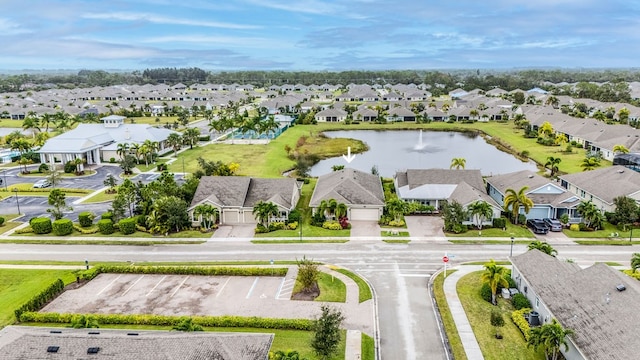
<point x="108" y="285"/>
<point x="223" y="286"/>
<point x="280" y="288"/>
<point x="132" y="285"/>
<point x="179" y="286"/>
<point x="161" y="280"/>
<point x="252" y="287"/>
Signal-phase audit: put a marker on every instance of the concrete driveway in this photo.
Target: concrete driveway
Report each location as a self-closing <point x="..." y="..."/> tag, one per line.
<point x="365" y="229"/>
<point x="234" y="232"/>
<point x="425" y="226"/>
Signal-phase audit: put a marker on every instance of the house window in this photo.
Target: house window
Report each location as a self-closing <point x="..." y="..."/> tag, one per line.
<point x="582" y="193"/>
<point x="537" y="302"/>
<point x="525" y="289"/>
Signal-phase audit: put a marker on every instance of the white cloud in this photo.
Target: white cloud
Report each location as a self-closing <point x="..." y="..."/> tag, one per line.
<point x="302" y="6"/>
<point x="10" y="28"/>
<point x="158" y="19"/>
<point x="236" y="41"/>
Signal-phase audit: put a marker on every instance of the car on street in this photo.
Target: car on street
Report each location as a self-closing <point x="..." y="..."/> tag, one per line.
<point x="42" y="184"/>
<point x="537" y="226"/>
<point x="553" y="224"/>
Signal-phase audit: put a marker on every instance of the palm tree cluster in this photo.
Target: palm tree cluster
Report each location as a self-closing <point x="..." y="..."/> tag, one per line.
<point x="514" y="200"/>
<point x="551" y="338"/>
<point x="147" y="150"/>
<point x="261" y="123"/>
<point x="333" y="209"/>
<point x="591" y="215"/>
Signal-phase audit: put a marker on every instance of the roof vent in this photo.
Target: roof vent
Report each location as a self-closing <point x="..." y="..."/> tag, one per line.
<point x="93" y="350"/>
<point x="530" y="176"/>
<point x="132" y="334"/>
<point x="53" y="349"/>
<point x="621" y="287"/>
<point x="94" y="332"/>
<point x="55" y="332"/>
<point x="620" y="171"/>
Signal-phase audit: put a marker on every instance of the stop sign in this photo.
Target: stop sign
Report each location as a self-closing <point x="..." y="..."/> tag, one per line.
<point x="445" y="258"/>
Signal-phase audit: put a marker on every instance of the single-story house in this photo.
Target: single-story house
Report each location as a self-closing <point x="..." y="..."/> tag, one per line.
<point x="331" y="115"/>
<point x="96" y="143"/>
<point x="434" y="187"/>
<point x="550" y="199"/>
<point x="603" y="185"/>
<point x="361" y="192"/>
<point x="600" y="304"/>
<point x="30" y="342"/>
<point x="235" y="197"/>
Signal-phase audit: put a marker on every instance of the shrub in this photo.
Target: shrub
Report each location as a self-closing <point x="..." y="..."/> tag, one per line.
<point x="41" y="225"/>
<point x="62" y="227"/>
<point x="105" y="226"/>
<point x="459" y="228"/>
<point x="294" y="216"/>
<point x="574" y="227"/>
<point x="277" y="226"/>
<point x="292" y="225"/>
<point x="583" y="227"/>
<point x="485" y="292"/>
<point x="520" y="301"/>
<point x="26" y="230"/>
<point x="332" y="225"/>
<point x="43" y="168"/>
<point x="85" y="218"/>
<point x="261" y="229"/>
<point x="86" y="231"/>
<point x="41" y="299"/>
<point x="127" y="226"/>
<point x="522" y="219"/>
<point x="112" y="160"/>
<point x="69" y="167"/>
<point x="399" y="223"/>
<point x="107" y="216"/>
<point x="500" y="223"/>
<point x="518" y="318"/>
<point x="204" y="138"/>
<point x="2" y="220"/>
<point x="161" y="167"/>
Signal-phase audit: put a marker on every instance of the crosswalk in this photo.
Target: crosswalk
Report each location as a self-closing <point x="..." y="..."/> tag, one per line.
<point x="401" y="269"/>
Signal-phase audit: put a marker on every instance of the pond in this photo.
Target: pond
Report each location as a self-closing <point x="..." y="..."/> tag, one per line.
<point x="397" y="150"/>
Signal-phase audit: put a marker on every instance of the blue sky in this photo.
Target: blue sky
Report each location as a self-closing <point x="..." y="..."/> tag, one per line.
<point x="328" y="35"/>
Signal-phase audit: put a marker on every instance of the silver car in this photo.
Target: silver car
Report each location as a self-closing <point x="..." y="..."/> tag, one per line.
<point x="553" y="224"/>
<point x="42" y="184"/>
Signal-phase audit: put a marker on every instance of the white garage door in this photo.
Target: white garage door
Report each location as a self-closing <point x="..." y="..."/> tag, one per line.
<point x="249" y="218"/>
<point x="231" y="216"/>
<point x="364" y="214"/>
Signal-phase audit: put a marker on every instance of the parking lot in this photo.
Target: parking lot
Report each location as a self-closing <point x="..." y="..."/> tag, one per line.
<point x="177" y="295"/>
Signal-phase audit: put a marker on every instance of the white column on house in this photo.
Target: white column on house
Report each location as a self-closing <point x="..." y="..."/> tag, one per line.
<point x="96" y="156"/>
<point x="80" y="167"/>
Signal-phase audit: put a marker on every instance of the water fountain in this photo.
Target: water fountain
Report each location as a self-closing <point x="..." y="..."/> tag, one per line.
<point x="420" y="144"/>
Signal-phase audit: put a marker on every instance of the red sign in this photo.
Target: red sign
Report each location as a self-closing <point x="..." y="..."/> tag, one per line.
<point x="445" y="259"/>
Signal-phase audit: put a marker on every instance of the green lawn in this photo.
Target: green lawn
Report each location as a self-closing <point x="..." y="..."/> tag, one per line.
<point x="27" y="189"/>
<point x="331" y="288"/>
<point x="604" y="233"/>
<point x="447" y="319"/>
<point x="368" y="348"/>
<point x="364" y="291"/>
<point x="396" y="241"/>
<point x="34" y="174"/>
<point x="270" y="242"/>
<point x="143" y="167"/>
<point x="513" y="345"/>
<point x="17" y="286"/>
<point x="388" y="233"/>
<point x="511" y="230"/>
<point x="100" y="197"/>
<point x="307" y="231"/>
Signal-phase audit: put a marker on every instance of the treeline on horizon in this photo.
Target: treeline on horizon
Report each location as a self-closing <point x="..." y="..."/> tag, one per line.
<point x="447" y="80"/>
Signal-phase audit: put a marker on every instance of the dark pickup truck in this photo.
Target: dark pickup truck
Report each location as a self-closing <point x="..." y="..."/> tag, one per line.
<point x="537" y="226"/>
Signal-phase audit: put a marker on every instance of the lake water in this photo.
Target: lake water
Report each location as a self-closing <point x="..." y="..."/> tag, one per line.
<point x="399" y="150"/>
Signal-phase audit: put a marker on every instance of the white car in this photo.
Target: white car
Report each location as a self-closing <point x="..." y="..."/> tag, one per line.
<point x="42" y="184"/>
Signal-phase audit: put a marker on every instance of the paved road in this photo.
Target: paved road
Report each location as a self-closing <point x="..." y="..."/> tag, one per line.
<point x="35" y="206"/>
<point x="399" y="273"/>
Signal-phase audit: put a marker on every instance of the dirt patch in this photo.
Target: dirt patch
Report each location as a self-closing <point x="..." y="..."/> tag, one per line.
<point x="307" y="295"/>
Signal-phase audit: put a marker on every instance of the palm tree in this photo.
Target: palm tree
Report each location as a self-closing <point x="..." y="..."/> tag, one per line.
<point x="590" y="163"/>
<point x="544" y="247"/>
<point x="458" y="163"/>
<point x="494" y="275"/>
<point x="620" y="149"/>
<point x="635" y="261"/>
<point x="264" y="210"/>
<point x="341" y="210"/>
<point x="45" y="120"/>
<point x="207" y="214"/>
<point x="552" y="164"/>
<point x="590" y="213"/>
<point x="396" y="207"/>
<point x="135" y="147"/>
<point x="553" y="101"/>
<point x="31" y="123"/>
<point x="190" y="136"/>
<point x="480" y="211"/>
<point x="513" y="200"/>
<point x="122" y="150"/>
<point x="551" y="337"/>
<point x="174" y="141"/>
<point x="328" y="207"/>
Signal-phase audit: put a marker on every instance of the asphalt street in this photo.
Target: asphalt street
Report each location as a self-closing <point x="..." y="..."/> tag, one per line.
<point x="398" y="272"/>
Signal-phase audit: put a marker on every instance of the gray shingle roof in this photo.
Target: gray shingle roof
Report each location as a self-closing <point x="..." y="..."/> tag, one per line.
<point x="241" y="191"/>
<point x="348" y="186"/>
<point x="418" y="177"/>
<point x="606" y="183"/>
<point x="516" y="180"/>
<point x="27" y="343"/>
<point x="605" y="320"/>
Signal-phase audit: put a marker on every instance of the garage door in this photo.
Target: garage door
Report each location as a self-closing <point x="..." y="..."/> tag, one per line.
<point x="249" y="218"/>
<point x="230" y="216"/>
<point x="364" y="214"/>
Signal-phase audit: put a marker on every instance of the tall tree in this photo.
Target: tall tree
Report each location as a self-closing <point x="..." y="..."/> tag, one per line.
<point x="58" y="201"/>
<point x="326" y="336"/>
<point x="458" y="163"/>
<point x="552" y="164"/>
<point x="206" y="214"/>
<point x="122" y="150"/>
<point x="264" y="211"/>
<point x="591" y="215"/>
<point x="494" y="275"/>
<point x="190" y="136"/>
<point x="620" y="149"/>
<point x="396" y="207"/>
<point x="174" y="141"/>
<point x="480" y="211"/>
<point x="514" y="200"/>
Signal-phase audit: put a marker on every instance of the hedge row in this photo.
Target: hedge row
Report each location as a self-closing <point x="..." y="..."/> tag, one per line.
<point x="62" y="227"/>
<point x="127" y="226"/>
<point x="85" y="218"/>
<point x="86" y="231"/>
<point x="522" y="323"/>
<point x="37" y="190"/>
<point x="40" y="299"/>
<point x="41" y="225"/>
<point x="164" y="320"/>
<point x="193" y="270"/>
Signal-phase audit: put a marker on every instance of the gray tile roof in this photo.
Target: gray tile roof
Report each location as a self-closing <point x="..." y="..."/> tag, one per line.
<point x="348" y="186"/>
<point x="606" y="183"/>
<point x="242" y="191"/>
<point x="418" y="177"/>
<point x="604" y="319"/>
<point x="28" y="343"/>
<point x="516" y="180"/>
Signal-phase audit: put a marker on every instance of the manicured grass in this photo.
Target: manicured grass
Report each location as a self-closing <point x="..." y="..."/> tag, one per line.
<point x="511" y="230"/>
<point x="368" y="348"/>
<point x="100" y="242"/>
<point x="610" y="263"/>
<point x="11" y="123"/>
<point x="607" y="242"/>
<point x="188" y="234"/>
<point x="8" y="225"/>
<point x="447" y="319"/>
<point x="27" y="189"/>
<point x="605" y="233"/>
<point x="513" y="345"/>
<point x="331" y="289"/>
<point x="299" y="242"/>
<point x="17" y="286"/>
<point x="100" y="197"/>
<point x="143" y="167"/>
<point x="34" y="174"/>
<point x="392" y="241"/>
<point x="387" y="233"/>
<point x="307" y="231"/>
<point x="364" y="291"/>
<point x="484" y="262"/>
<point x="488" y="242"/>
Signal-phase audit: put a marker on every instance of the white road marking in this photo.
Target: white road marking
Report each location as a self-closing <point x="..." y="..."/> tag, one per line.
<point x="252" y="287"/>
<point x="404" y="316"/>
<point x="132" y="285"/>
<point x="179" y="286"/>
<point x="415" y="275"/>
<point x="161" y="280"/>
<point x="223" y="286"/>
<point x="280" y="288"/>
<point x="108" y="285"/>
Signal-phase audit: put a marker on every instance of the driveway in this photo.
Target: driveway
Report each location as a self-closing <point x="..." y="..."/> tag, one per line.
<point x="234" y="231"/>
<point x="425" y="226"/>
<point x="365" y="229"/>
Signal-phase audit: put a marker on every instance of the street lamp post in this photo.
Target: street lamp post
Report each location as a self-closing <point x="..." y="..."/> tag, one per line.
<point x="299" y="185"/>
<point x="15" y="190"/>
<point x="511" y="251"/>
<point x="4" y="174"/>
<point x="631" y="233"/>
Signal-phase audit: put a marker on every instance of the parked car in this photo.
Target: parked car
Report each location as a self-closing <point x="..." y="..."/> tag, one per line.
<point x="553" y="224"/>
<point x="537" y="226"/>
<point x="42" y="184"/>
